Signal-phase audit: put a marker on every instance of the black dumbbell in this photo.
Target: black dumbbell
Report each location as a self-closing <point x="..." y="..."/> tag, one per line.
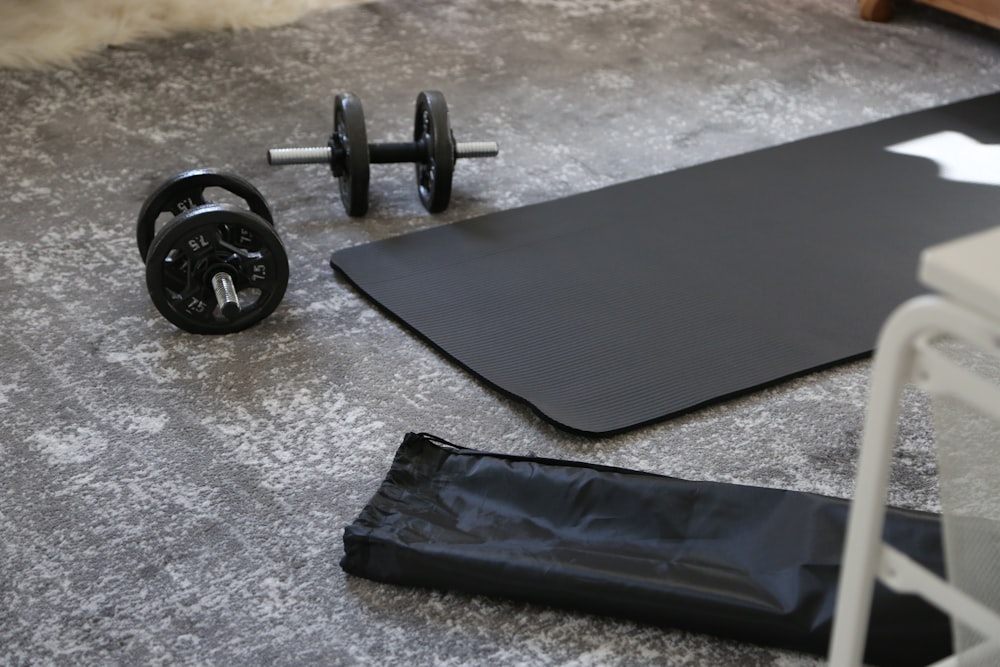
<point x="212" y="268"/>
<point x="433" y="150"/>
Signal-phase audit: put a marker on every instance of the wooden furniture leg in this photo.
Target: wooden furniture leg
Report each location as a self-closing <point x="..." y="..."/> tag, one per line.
<point x="876" y="10"/>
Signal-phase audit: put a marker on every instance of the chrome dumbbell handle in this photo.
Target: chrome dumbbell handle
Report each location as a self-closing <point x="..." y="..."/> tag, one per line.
<point x="378" y="153"/>
<point x="225" y="295"/>
<point x="312" y="155"/>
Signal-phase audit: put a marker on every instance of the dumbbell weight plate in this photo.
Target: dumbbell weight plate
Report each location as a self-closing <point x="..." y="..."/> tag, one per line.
<point x="198" y="244"/>
<point x="432" y="130"/>
<point x="185" y="191"/>
<point x="350" y="139"/>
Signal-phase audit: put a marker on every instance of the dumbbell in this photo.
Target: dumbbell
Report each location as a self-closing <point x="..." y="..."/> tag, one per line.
<point x="212" y="268"/>
<point x="433" y="151"/>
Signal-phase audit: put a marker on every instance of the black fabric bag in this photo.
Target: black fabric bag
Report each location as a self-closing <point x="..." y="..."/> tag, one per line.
<point x="748" y="563"/>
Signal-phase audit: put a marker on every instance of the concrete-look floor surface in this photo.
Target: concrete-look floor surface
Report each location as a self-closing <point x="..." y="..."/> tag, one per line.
<point x="167" y="498"/>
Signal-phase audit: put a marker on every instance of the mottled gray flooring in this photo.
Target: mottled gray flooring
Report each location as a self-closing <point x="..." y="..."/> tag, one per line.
<point x="167" y="498"/>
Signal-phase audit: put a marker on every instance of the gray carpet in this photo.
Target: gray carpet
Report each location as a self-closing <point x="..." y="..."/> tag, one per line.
<point x="168" y="498"/>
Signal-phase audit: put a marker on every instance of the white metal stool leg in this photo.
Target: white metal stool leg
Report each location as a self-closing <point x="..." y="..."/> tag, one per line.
<point x="891" y="371"/>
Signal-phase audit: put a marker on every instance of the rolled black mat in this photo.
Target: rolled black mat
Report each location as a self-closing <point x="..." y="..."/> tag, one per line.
<point x="748" y="563"/>
<point x="632" y="303"/>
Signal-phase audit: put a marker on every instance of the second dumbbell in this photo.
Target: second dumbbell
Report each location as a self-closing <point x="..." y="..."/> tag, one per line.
<point x="211" y="268"/>
<point x="433" y="150"/>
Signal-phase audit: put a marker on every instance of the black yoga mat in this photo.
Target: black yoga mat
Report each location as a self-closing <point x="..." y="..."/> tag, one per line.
<point x="632" y="303"/>
<point x="748" y="563"/>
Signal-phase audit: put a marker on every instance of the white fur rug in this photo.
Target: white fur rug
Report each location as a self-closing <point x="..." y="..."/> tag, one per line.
<point x="37" y="33"/>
